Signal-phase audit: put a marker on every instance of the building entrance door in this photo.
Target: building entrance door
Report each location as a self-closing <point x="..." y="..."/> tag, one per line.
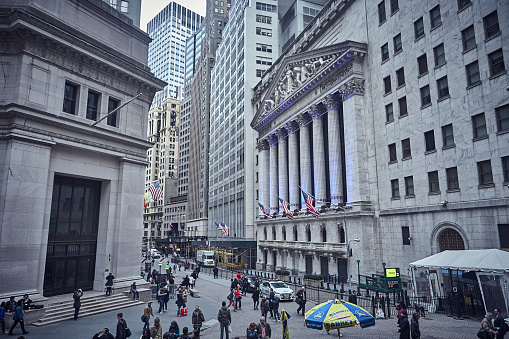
<point x="324" y="266"/>
<point x="72" y="237"/>
<point x="309" y="264"/>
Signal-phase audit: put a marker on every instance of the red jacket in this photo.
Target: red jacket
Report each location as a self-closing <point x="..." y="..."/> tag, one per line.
<point x="239" y="276"/>
<point x="237" y="293"/>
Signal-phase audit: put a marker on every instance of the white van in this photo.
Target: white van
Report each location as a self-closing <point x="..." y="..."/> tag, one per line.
<point x="154" y="254"/>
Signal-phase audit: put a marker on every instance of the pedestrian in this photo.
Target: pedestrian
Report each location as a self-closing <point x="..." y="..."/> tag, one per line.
<point x="10" y="306"/>
<point x="180" y="265"/>
<point x="77" y="302"/>
<point x="251" y="332"/>
<point x="156" y="331"/>
<point x="2" y="315"/>
<point x="272" y="296"/>
<point x="19" y="314"/>
<point x="301" y="300"/>
<point x="352" y="298"/>
<point x="256" y="298"/>
<point x="191" y="281"/>
<point x="231" y="298"/>
<point x="109" y="283"/>
<point x="166" y="298"/>
<point x="500" y="325"/>
<point x="197" y="318"/>
<point x="487" y="326"/>
<point x="275" y="307"/>
<point x="238" y="299"/>
<point x="216" y="272"/>
<point x="400" y="306"/>
<point x="145" y="334"/>
<point x="185" y="333"/>
<point x="147" y="312"/>
<point x="174" y="269"/>
<point x="263" y="329"/>
<point x="264" y="307"/>
<point x="134" y="291"/>
<point x="245" y="285"/>
<point x="415" y="332"/>
<point x="174" y="330"/>
<point x="26" y="302"/>
<point x="185" y="282"/>
<point x="160" y="299"/>
<point x="103" y="334"/>
<point x="121" y="327"/>
<point x="404" y="326"/>
<point x="180" y="301"/>
<point x="224" y="317"/>
<point x="239" y="275"/>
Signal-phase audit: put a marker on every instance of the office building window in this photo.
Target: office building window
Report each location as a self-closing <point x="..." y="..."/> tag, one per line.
<point x="435" y="17"/>
<point x="468" y="38"/>
<point x="389" y="114"/>
<point x="266" y="7"/>
<point x="505" y="168"/>
<point x="403" y="110"/>
<point x="409" y="186"/>
<point x="259" y="73"/>
<point x="263" y="61"/>
<point x="263" y="19"/>
<point x="392" y="153"/>
<point x="479" y="126"/>
<point x="395" y="188"/>
<point x="264" y="48"/>
<point x="473" y="75"/>
<point x="111" y="120"/>
<point x="503" y="235"/>
<point x="422" y="62"/>
<point x="398" y="46"/>
<point x="439" y="53"/>
<point x="425" y="96"/>
<point x="381" y="12"/>
<point x="419" y="28"/>
<point x="387" y="84"/>
<point x="124" y="6"/>
<point x="491" y="27"/>
<point x="496" y="62"/>
<point x="434" y="186"/>
<point x="485" y="174"/>
<point x="400" y="76"/>
<point x="92" y="105"/>
<point x="452" y="179"/>
<point x="405" y="147"/>
<point x="448" y="136"/>
<point x="502" y="114"/>
<point x="263" y="31"/>
<point x="70" y="98"/>
<point x="385" y="52"/>
<point x="405" y="232"/>
<point x="394" y="6"/>
<point x="429" y="139"/>
<point x="442" y="88"/>
<point x="463" y="3"/>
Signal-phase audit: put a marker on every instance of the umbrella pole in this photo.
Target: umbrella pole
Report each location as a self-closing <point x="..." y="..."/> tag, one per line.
<point x="339" y="333"/>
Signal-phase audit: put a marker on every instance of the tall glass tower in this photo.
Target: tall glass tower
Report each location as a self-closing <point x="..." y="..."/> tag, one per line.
<point x="169" y="31"/>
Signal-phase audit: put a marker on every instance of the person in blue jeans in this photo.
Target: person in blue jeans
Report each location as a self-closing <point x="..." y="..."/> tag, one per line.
<point x="224" y="317"/>
<point x="18" y="318"/>
<point x="147" y="312"/>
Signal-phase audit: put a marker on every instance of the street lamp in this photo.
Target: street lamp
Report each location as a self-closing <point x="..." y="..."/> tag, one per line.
<point x="348" y="262"/>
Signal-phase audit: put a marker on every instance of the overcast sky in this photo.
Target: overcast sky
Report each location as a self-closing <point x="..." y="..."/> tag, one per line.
<point x="150" y="8"/>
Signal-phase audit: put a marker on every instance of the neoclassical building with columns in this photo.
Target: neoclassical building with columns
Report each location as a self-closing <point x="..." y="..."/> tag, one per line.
<point x="395" y="117"/>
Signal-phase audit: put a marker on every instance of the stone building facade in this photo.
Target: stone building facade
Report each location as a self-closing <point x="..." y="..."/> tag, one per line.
<point x="394" y="116"/>
<point x="71" y="191"/>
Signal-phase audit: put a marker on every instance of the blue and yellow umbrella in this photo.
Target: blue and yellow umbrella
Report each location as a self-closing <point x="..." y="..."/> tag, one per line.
<point x="336" y="314"/>
<point x="284" y="319"/>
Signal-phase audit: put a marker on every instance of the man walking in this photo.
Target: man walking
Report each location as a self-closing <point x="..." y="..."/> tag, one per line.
<point x="77" y="302"/>
<point x="499" y="324"/>
<point x="121" y="327"/>
<point x="301" y="300"/>
<point x="156" y="331"/>
<point x="197" y="318"/>
<point x="147" y="312"/>
<point x="216" y="271"/>
<point x="225" y="318"/>
<point x="263" y="329"/>
<point x="19" y="314"/>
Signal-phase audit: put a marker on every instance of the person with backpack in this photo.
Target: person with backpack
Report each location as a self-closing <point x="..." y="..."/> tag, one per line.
<point x="123" y="331"/>
<point x="224" y="317"/>
<point x="19" y="314"/>
<point x="197" y="318"/>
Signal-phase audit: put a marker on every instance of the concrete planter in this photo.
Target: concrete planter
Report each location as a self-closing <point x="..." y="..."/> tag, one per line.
<point x="314" y="283"/>
<point x="282" y="277"/>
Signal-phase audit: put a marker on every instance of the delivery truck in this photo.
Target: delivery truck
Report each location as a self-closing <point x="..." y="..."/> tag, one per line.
<point x="206" y="258"/>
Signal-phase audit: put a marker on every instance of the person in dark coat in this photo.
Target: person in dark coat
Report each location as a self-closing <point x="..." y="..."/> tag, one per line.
<point x="121" y="327"/>
<point x="197" y="318"/>
<point x="272" y="296"/>
<point x="224" y="317"/>
<point x="10" y="306"/>
<point x="2" y="315"/>
<point x="264" y="307"/>
<point x="251" y="332"/>
<point x="404" y="326"/>
<point x="499" y="324"/>
<point x="180" y="302"/>
<point x="103" y="334"/>
<point x="256" y="298"/>
<point x="415" y="332"/>
<point x="275" y="307"/>
<point x="263" y="329"/>
<point x="77" y="302"/>
<point x="109" y="283"/>
<point x="216" y="271"/>
<point x="19" y="314"/>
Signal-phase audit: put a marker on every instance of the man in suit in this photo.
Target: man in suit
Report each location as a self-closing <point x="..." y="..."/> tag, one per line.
<point x="499" y="324"/>
<point x="301" y="298"/>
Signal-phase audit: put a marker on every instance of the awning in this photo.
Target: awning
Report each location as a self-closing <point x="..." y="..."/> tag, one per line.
<point x="490" y="260"/>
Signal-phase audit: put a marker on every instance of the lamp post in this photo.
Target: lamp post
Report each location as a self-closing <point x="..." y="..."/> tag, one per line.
<point x="348" y="262"/>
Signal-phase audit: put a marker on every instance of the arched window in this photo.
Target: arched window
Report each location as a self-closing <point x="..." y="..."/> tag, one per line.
<point x="308" y="233"/>
<point x="324" y="235"/>
<point x="450" y="239"/>
<point x="341" y="235"/>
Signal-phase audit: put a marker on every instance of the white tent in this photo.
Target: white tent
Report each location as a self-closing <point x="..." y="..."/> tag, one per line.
<point x="491" y="267"/>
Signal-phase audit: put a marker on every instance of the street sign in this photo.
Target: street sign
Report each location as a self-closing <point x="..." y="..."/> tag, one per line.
<point x="392" y="272"/>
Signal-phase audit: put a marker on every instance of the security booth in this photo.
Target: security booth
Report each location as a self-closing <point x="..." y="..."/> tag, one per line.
<point x="469" y="281"/>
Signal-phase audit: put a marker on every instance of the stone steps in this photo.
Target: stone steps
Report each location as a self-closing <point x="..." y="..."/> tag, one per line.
<point x="64" y="310"/>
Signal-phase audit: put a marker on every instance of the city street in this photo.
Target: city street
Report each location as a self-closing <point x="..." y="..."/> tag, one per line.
<point x="214" y="291"/>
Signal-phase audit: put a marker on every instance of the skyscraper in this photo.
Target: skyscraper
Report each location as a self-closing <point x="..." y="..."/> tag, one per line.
<point x="169" y="31"/>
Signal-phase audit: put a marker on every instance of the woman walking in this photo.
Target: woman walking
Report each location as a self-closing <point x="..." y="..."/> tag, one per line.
<point x="256" y="298"/>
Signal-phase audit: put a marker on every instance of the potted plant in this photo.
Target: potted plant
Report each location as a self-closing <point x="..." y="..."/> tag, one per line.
<point x="314" y="280"/>
<point x="282" y="275"/>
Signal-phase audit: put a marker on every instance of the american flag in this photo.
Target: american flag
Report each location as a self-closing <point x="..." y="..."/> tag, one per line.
<point x="264" y="210"/>
<point x="286" y="209"/>
<point x="226" y="229"/>
<point x="219" y="227"/>
<point x="309" y="203"/>
<point x="155" y="191"/>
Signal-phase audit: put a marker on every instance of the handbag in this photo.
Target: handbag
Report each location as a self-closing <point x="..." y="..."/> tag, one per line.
<point x="481" y="334"/>
<point x="128" y="332"/>
<point x="143" y="318"/>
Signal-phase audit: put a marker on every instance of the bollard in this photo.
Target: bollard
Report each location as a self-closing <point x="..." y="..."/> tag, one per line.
<point x="373" y="304"/>
<point x="342" y="290"/>
<point x="335" y="289"/>
<point x="328" y="287"/>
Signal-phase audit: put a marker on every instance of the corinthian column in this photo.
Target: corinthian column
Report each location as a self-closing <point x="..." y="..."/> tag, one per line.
<point x="318" y="155"/>
<point x="305" y="156"/>
<point x="282" y="165"/>
<point x="274" y="203"/>
<point x="264" y="181"/>
<point x="335" y="166"/>
<point x="293" y="165"/>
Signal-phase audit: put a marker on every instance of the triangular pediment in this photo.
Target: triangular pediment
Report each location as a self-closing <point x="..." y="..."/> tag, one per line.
<point x="295" y="75"/>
